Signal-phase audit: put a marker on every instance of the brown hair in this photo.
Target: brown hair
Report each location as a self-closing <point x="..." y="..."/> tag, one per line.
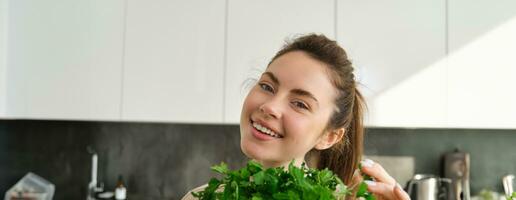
<point x="343" y="157"/>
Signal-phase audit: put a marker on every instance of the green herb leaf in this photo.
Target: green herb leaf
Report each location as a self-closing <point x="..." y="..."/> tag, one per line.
<point x="362" y="188"/>
<point x="222" y="168"/>
<point x="253" y="182"/>
<point x="512" y="196"/>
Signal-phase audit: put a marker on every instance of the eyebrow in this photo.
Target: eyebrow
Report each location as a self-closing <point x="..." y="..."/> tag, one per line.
<point x="274" y="78"/>
<point x="299" y="92"/>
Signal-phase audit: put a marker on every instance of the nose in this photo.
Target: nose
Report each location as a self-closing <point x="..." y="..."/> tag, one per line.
<point x="271" y="109"/>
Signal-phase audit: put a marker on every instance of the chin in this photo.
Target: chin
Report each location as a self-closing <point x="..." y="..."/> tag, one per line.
<point x="246" y="153"/>
<point x="252" y="150"/>
<point x="246" y="149"/>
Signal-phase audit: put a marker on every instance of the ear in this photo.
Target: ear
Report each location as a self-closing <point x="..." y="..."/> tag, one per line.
<point x="330" y="138"/>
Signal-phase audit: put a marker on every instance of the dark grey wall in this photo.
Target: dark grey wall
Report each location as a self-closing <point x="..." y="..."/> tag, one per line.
<point x="163" y="161"/>
<point x="157" y="161"/>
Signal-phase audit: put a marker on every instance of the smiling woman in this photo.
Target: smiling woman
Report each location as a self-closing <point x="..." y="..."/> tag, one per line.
<point x="306" y="106"/>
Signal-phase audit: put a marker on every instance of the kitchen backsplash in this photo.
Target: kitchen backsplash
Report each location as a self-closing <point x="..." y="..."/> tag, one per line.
<point x="163" y="161"/>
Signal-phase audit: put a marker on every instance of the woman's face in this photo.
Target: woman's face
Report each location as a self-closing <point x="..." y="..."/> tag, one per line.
<point x="285" y="114"/>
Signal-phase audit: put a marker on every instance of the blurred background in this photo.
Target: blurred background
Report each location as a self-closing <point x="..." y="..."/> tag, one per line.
<point x="155" y="87"/>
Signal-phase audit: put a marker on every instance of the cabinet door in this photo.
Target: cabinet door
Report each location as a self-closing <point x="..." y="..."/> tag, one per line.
<point x="65" y="59"/>
<point x="398" y="50"/>
<point x="257" y="30"/>
<point x="3" y="58"/>
<point x="482" y="68"/>
<point x="174" y="61"/>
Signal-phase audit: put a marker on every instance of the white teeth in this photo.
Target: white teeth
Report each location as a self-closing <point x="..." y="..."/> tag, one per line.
<point x="265" y="130"/>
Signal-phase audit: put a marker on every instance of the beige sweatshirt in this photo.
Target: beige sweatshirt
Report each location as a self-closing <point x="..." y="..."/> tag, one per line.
<point x="189" y="196"/>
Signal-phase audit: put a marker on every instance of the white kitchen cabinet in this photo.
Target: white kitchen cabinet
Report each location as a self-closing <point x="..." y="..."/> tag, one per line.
<point x="174" y="61"/>
<point x="398" y="49"/>
<point x="482" y="68"/>
<point x="64" y="59"/>
<point x="257" y="30"/>
<point x="3" y="58"/>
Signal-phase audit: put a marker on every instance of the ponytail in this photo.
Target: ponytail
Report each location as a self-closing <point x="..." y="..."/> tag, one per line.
<point x="343" y="157"/>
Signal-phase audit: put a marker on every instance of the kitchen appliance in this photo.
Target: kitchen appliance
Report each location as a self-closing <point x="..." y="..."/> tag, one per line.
<point x="429" y="187"/>
<point x="456" y="168"/>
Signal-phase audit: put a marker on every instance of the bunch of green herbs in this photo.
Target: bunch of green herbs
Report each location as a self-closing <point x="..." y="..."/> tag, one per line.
<point x="253" y="182"/>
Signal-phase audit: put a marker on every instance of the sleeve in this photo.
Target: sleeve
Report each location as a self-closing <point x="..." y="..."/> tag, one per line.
<point x="189" y="196"/>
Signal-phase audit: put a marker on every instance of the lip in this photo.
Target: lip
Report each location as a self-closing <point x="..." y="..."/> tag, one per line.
<point x="262" y="123"/>
<point x="259" y="135"/>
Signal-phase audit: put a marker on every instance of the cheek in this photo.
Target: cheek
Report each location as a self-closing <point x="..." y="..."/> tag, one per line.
<point x="249" y="102"/>
<point x="305" y="131"/>
<point x="254" y="100"/>
<point x="299" y="127"/>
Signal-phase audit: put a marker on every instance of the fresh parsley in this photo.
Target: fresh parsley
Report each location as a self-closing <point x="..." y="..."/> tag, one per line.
<point x="253" y="182"/>
<point x="362" y="187"/>
<point x="512" y="196"/>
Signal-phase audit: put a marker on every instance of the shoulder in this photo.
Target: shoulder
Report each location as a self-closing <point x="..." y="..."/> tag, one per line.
<point x="189" y="196"/>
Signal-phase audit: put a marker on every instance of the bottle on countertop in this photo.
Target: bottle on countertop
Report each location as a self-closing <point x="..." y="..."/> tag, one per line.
<point x="120" y="190"/>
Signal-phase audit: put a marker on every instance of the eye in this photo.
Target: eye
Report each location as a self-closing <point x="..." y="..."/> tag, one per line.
<point x="266" y="87"/>
<point x="300" y="104"/>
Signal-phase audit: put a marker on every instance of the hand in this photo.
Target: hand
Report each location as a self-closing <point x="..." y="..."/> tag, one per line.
<point x="384" y="187"/>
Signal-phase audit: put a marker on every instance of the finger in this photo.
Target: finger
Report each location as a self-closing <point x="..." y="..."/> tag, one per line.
<point x="376" y="171"/>
<point x="356" y="178"/>
<point x="355" y="181"/>
<point x="381" y="190"/>
<point x="400" y="194"/>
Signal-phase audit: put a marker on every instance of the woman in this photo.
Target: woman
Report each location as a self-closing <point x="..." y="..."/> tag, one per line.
<point x="306" y="105"/>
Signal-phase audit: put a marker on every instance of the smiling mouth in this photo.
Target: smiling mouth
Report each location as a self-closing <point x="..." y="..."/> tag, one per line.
<point x="264" y="130"/>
